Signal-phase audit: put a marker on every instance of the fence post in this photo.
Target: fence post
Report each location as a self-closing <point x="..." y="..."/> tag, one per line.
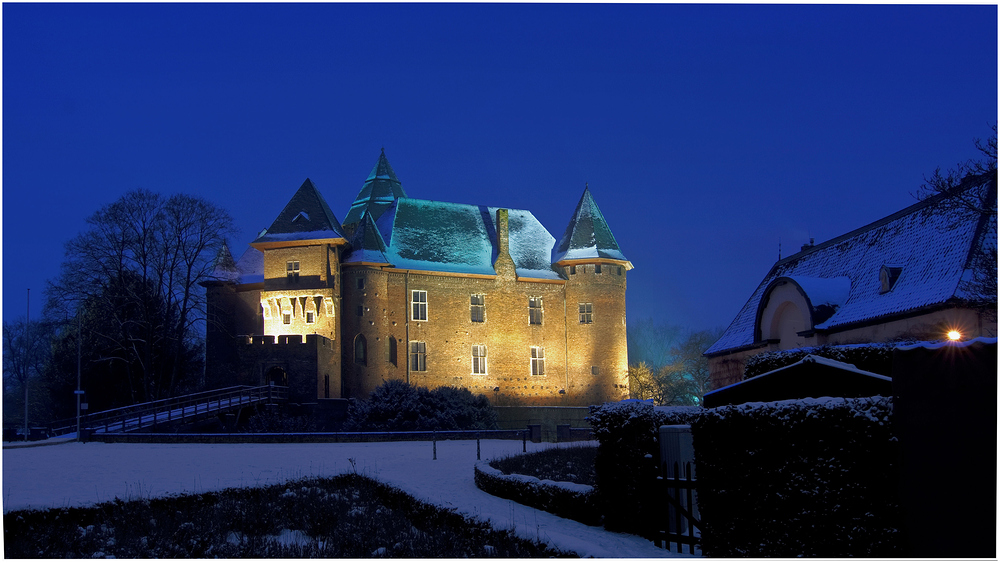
<point x="434" y="437"/>
<point x="478" y="458"/>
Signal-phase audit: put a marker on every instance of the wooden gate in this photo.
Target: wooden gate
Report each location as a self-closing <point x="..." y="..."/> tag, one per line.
<point x="679" y="522"/>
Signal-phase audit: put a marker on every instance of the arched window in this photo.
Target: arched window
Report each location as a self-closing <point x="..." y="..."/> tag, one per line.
<point x="360" y="350"/>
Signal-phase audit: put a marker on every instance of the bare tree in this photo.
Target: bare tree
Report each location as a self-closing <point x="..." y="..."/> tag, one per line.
<point x="25" y="352"/>
<point x="140" y="263"/>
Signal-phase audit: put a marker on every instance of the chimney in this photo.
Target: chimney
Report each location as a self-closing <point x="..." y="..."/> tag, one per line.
<point x="503" y="248"/>
<point x="809" y="244"/>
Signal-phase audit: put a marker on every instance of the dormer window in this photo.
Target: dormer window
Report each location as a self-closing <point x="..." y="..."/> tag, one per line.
<point x="888" y="276"/>
<point x="302" y="216"/>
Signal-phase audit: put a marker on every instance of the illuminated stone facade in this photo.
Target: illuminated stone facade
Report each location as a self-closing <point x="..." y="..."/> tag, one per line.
<point x="432" y="293"/>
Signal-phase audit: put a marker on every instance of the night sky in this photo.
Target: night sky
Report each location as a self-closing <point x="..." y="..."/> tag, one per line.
<point x="707" y="133"/>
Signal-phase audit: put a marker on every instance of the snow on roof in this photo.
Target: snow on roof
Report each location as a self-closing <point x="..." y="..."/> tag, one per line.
<point x="380" y="189"/>
<point x="460" y="238"/>
<point x="931" y="244"/>
<point x="251" y="266"/>
<point x="948" y="343"/>
<point x="366" y="245"/>
<point x="587" y="235"/>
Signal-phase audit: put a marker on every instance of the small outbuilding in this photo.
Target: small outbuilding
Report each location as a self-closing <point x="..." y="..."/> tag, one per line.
<point x="812" y="376"/>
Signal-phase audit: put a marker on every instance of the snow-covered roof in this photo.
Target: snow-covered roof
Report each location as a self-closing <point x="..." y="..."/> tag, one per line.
<point x="366" y="245"/>
<point x="930" y="243"/>
<point x="306" y="217"/>
<point x="460" y="238"/>
<point x="587" y="235"/>
<point x="948" y="343"/>
<point x="380" y="189"/>
<point x="251" y="266"/>
<point x="224" y="268"/>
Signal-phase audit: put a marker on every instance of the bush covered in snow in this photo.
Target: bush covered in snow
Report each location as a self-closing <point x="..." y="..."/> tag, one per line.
<point x="397" y="406"/>
<point x="626" y="460"/>
<point x="875" y="357"/>
<point x="562" y="498"/>
<point x="349" y="516"/>
<point x="808" y="477"/>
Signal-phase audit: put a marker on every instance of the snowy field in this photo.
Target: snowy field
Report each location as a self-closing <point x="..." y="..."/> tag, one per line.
<point x="74" y="474"/>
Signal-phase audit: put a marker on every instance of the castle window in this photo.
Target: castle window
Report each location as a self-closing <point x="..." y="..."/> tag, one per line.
<point x="361" y="310"/>
<point x="535" y="310"/>
<point x="360" y="350"/>
<point x="586" y="313"/>
<point x="620" y="270"/>
<point x="572" y="270"/>
<point x="361" y="283"/>
<point x="286" y="318"/>
<point x="418" y="302"/>
<point x="537" y="360"/>
<point x="597" y="269"/>
<point x="292" y="270"/>
<point x="478" y="359"/>
<point x="390" y="350"/>
<point x="418" y="356"/>
<point x="478" y="307"/>
<point x="594" y="370"/>
<point x="310" y="317"/>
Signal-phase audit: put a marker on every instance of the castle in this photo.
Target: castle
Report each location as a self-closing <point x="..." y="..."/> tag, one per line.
<point x="431" y="293"/>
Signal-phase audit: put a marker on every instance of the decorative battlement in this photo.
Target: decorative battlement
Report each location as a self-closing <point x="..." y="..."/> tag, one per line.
<point x="270" y="339"/>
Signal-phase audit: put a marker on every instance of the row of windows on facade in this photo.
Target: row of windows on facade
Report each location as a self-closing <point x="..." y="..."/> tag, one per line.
<point x="477" y="308"/>
<point x="292" y="271"/>
<point x="418" y="356"/>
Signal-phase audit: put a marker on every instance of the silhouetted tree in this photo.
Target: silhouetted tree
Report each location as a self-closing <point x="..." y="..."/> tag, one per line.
<point x="25" y="355"/>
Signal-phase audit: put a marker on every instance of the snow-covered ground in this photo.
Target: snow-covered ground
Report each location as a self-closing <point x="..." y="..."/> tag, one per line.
<point x="74" y="474"/>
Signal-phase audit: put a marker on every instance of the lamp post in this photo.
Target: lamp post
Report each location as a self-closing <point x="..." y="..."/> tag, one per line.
<point x="78" y="392"/>
<point x="27" y="354"/>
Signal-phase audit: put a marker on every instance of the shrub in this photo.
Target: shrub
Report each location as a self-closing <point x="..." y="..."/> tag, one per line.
<point x="875" y="357"/>
<point x="569" y="500"/>
<point x="574" y="464"/>
<point x="397" y="406"/>
<point x="627" y="458"/>
<point x="807" y="477"/>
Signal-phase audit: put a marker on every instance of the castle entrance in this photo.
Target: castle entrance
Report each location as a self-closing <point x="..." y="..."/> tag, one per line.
<point x="276" y="376"/>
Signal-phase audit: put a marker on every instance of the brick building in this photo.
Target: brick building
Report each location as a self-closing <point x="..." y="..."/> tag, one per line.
<point x="433" y="293"/>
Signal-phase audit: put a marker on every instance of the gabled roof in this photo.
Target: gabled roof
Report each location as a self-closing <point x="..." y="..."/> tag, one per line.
<point x="587" y="235"/>
<point x="380" y="189"/>
<point x="366" y="244"/>
<point x="306" y="217"/>
<point x="930" y="242"/>
<point x="459" y="238"/>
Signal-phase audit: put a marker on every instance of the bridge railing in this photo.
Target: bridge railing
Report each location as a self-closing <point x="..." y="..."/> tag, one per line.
<point x="166" y="410"/>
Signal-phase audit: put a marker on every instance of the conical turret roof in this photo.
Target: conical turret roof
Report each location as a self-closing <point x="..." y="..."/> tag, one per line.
<point x="380" y="189"/>
<point x="367" y="245"/>
<point x="306" y="217"/>
<point x="588" y="236"/>
<point x="224" y="267"/>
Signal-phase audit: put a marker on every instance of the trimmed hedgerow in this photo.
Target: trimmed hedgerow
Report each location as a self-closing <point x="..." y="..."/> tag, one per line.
<point x="627" y="458"/>
<point x="875" y="357"/>
<point x="348" y="516"/>
<point x="569" y="500"/>
<point x="808" y="477"/>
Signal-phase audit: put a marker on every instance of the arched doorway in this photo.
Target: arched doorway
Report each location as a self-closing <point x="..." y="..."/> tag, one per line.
<point x="276" y="376"/>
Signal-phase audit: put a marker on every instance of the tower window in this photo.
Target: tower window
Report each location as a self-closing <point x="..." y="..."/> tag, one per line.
<point x="361" y="283"/>
<point x="620" y="270"/>
<point x="310" y="317"/>
<point x="594" y="370"/>
<point x="537" y="360"/>
<point x="572" y="270"/>
<point x="361" y="310"/>
<point x="535" y="310"/>
<point x="586" y="313"/>
<point x="292" y="270"/>
<point x="390" y="350"/>
<point x="286" y="318"/>
<point x="418" y="304"/>
<point x="478" y="307"/>
<point x="597" y="269"/>
<point x="418" y="356"/>
<point x="360" y="350"/>
<point x="478" y="359"/>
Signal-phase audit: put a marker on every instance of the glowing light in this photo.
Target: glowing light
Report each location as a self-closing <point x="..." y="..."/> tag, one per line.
<point x="954" y="335"/>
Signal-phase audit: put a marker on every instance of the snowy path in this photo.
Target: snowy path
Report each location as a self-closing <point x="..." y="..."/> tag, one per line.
<point x="81" y="474"/>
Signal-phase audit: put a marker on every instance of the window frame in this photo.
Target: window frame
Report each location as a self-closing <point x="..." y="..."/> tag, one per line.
<point x="537" y="360"/>
<point x="536" y="308"/>
<point x="479" y="360"/>
<point x="586" y="313"/>
<point x="418" y="356"/>
<point x="480" y="307"/>
<point x="292" y="270"/>
<point x="418" y="306"/>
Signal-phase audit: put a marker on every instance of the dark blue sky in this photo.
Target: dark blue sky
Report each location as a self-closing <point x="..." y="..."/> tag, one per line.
<point x="706" y="132"/>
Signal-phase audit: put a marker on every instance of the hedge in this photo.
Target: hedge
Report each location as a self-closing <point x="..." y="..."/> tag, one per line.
<point x="569" y="500"/>
<point x="627" y="456"/>
<point x="875" y="357"/>
<point x="807" y="477"/>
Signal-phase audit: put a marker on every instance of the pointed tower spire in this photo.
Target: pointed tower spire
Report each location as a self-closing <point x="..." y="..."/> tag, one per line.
<point x="224" y="267"/>
<point x="588" y="236"/>
<point x="380" y="189"/>
<point x="306" y="217"/>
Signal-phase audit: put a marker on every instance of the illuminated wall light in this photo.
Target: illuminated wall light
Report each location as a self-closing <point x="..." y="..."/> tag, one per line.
<point x="954" y="335"/>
